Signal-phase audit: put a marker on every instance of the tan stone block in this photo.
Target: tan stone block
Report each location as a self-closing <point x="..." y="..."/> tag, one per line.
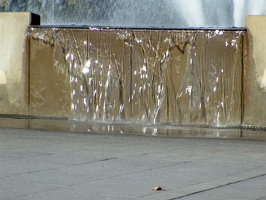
<point x="14" y="62"/>
<point x="255" y="73"/>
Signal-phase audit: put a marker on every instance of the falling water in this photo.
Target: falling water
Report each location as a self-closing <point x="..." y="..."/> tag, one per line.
<point x="150" y="76"/>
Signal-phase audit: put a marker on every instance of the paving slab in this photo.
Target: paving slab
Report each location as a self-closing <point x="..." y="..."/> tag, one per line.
<point x="44" y="165"/>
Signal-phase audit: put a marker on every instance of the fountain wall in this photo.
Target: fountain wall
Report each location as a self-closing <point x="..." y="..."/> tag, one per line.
<point x="145" y="80"/>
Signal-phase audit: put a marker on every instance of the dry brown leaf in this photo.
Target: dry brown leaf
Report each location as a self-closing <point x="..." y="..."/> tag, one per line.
<point x="157" y="188"/>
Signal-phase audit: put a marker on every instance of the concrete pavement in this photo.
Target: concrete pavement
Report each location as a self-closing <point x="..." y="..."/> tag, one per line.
<point x="47" y="165"/>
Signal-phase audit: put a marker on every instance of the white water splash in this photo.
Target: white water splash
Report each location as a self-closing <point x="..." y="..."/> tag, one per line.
<point x="192" y="10"/>
<point x="247" y="7"/>
<point x="218" y="13"/>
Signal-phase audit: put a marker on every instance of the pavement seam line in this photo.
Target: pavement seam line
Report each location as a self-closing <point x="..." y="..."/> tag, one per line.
<point x="219" y="186"/>
<point x="55" y="168"/>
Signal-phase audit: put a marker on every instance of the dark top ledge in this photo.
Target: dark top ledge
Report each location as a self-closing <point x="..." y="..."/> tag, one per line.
<point x="139" y="28"/>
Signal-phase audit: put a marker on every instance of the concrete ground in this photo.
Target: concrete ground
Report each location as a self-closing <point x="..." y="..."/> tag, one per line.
<point x="48" y="165"/>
